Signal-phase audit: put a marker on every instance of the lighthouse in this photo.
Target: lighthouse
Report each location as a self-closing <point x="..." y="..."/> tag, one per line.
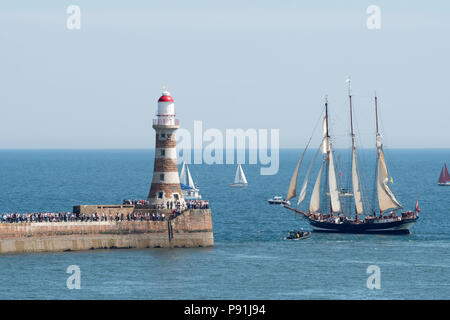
<point x="165" y="187"/>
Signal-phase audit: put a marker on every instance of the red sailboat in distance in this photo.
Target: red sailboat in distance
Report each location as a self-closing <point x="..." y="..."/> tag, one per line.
<point x="444" y="178"/>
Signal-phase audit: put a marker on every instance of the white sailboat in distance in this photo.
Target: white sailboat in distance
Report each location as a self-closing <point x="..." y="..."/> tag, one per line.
<point x="186" y="177"/>
<point x="239" y="179"/>
<point x="189" y="189"/>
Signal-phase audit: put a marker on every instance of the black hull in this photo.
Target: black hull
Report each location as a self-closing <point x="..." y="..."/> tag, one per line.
<point x="367" y="227"/>
<point x="392" y="227"/>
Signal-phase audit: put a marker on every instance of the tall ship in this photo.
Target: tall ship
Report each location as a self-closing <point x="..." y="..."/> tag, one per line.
<point x="444" y="178"/>
<point x="336" y="209"/>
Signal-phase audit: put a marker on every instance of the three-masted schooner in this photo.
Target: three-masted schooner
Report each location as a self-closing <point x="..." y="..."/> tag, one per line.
<point x="326" y="212"/>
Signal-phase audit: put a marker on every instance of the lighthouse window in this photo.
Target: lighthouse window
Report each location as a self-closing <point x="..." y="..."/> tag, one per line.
<point x="163" y="152"/>
<point x="162" y="136"/>
<point x="161" y="177"/>
<point x="160" y="195"/>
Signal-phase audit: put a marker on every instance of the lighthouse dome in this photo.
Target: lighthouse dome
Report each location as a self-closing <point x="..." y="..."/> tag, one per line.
<point x="166" y="106"/>
<point x="165" y="97"/>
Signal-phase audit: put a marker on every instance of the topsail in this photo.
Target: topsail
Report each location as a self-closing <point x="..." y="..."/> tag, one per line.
<point x="325" y="143"/>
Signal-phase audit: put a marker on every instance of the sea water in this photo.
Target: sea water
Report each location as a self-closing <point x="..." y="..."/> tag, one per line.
<point x="250" y="259"/>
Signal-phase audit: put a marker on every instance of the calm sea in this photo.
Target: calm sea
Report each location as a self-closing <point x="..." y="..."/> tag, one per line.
<point x="250" y="259"/>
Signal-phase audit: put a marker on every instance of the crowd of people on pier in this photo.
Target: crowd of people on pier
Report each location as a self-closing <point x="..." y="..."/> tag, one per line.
<point x="176" y="209"/>
<point x="137" y="202"/>
<point x="197" y="204"/>
<point x="37" y="217"/>
<point x="71" y="217"/>
<point x="170" y="205"/>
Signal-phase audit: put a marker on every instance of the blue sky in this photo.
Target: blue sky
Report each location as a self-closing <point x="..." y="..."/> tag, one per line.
<point x="232" y="64"/>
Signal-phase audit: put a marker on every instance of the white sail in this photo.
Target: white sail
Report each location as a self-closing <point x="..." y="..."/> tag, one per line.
<point x="314" y="204"/>
<point x="236" y="176"/>
<point x="243" y="178"/>
<point x="293" y="184"/>
<point x="302" y="195"/>
<point x="240" y="176"/>
<point x="332" y="182"/>
<point x="325" y="143"/>
<point x="356" y="187"/>
<point x="189" y="178"/>
<point x="185" y="176"/>
<point x="386" y="198"/>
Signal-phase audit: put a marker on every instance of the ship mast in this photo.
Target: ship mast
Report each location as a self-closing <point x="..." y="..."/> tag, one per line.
<point x="351" y="123"/>
<point x="357" y="196"/>
<point x="326" y="117"/>
<point x="351" y="115"/>
<point x="378" y="143"/>
<point x="327" y="145"/>
<point x="376" y="117"/>
<point x="353" y="143"/>
<point x="335" y="204"/>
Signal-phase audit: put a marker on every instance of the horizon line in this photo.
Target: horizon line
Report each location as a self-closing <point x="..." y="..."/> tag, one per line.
<point x="193" y="149"/>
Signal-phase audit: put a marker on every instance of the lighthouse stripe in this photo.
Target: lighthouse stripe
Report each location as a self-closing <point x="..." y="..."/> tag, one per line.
<point x="168" y="189"/>
<point x="165" y="177"/>
<point x="166" y="153"/>
<point x="168" y="143"/>
<point x="165" y="165"/>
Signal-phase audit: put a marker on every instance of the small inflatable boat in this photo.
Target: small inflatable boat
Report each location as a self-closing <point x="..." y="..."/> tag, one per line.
<point x="298" y="235"/>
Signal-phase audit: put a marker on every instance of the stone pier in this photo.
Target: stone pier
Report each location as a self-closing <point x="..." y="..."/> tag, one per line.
<point x="193" y="228"/>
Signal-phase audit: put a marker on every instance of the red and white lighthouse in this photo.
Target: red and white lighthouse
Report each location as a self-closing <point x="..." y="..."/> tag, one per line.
<point x="165" y="187"/>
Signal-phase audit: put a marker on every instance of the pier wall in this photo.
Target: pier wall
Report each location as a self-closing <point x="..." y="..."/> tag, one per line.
<point x="106" y="209"/>
<point x="193" y="228"/>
